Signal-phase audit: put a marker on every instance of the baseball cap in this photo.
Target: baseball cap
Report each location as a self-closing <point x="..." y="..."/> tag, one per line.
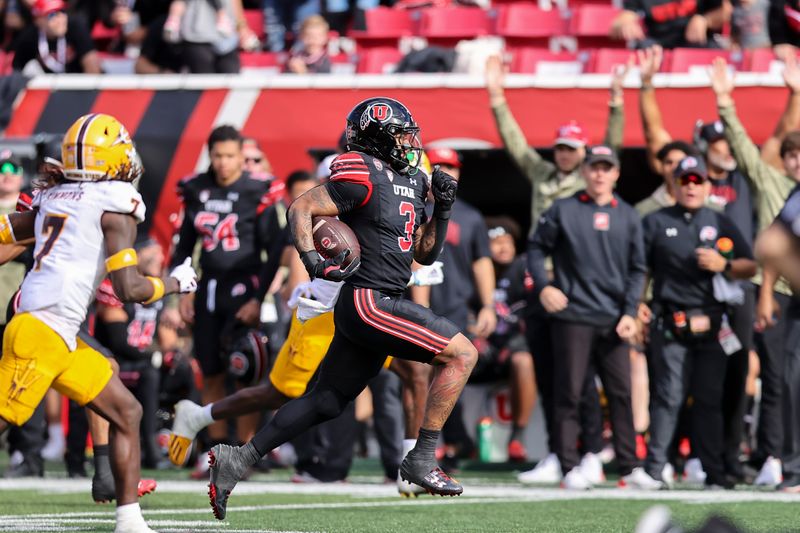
<point x="691" y="166"/>
<point x="571" y="134"/>
<point x="710" y="131"/>
<point x="443" y="156"/>
<point x="601" y="153"/>
<point x="44" y="7"/>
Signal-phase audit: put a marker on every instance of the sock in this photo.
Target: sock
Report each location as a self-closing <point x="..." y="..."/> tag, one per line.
<point x="408" y="445"/>
<point x="102" y="464"/>
<point x="55" y="432"/>
<point x="516" y="433"/>
<point x="128" y="513"/>
<point x="426" y="443"/>
<point x="205" y="415"/>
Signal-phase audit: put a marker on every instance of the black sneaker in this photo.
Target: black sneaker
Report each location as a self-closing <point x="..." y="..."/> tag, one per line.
<point x="790" y="483"/>
<point x="433" y="480"/>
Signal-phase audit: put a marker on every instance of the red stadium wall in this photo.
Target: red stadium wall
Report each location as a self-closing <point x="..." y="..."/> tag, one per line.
<point x="170" y="126"/>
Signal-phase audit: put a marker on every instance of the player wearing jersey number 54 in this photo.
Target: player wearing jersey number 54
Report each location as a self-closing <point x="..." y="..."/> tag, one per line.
<point x="83" y="220"/>
<point x="376" y="189"/>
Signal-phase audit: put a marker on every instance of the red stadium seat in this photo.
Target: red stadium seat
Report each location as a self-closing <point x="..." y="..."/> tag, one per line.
<point x="763" y="60"/>
<point x="603" y="60"/>
<point x="526" y="24"/>
<point x="687" y="59"/>
<point x="255" y="21"/>
<point x="262" y="61"/>
<point x="543" y="61"/>
<point x="591" y="23"/>
<point x="447" y="25"/>
<point x="384" y="26"/>
<point x="378" y="60"/>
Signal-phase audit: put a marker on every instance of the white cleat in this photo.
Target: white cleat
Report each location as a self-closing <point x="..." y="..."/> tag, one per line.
<point x="771" y="474"/>
<point x="693" y="472"/>
<point x="574" y="480"/>
<point x="668" y="476"/>
<point x="548" y="470"/>
<point x="408" y="490"/>
<point x="134" y="528"/>
<point x="187" y="423"/>
<point x="591" y="467"/>
<point x="640" y="480"/>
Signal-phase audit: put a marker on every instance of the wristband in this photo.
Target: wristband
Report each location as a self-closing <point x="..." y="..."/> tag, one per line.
<point x="158" y="290"/>
<point x="6" y="232"/>
<point x="122" y="259"/>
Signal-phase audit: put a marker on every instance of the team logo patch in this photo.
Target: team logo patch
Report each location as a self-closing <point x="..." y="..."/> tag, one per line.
<point x="377" y="164"/>
<point x="204" y="195"/>
<point x="327" y="243"/>
<point x="602" y="221"/>
<point x="708" y="233"/>
<point x="238" y="289"/>
<point x="379" y="112"/>
<point x="238" y="364"/>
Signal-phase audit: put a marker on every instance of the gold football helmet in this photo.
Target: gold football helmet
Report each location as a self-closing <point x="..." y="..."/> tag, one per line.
<point x="98" y="147"/>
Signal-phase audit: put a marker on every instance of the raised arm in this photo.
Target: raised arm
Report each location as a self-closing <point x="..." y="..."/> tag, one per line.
<point x="615" y="128"/>
<point x="655" y="135"/>
<point x="129" y="285"/>
<point x="790" y="119"/>
<point x="514" y="141"/>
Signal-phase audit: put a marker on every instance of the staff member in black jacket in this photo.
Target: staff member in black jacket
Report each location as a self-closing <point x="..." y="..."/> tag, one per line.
<point x="682" y="243"/>
<point x="595" y="240"/>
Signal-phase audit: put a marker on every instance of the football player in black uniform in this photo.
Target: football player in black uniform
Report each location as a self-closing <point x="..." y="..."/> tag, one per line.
<point x="226" y="207"/>
<point x="375" y="189"/>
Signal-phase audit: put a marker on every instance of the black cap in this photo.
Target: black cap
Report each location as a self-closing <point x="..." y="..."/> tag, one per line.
<point x="711" y="131"/>
<point x="691" y="166"/>
<point x="601" y="153"/>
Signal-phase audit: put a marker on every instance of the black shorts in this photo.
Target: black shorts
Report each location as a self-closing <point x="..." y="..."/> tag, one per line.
<point x="390" y="325"/>
<point x="215" y="304"/>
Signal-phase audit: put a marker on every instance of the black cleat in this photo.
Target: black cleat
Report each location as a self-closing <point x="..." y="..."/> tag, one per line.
<point x="227" y="466"/>
<point x="435" y="481"/>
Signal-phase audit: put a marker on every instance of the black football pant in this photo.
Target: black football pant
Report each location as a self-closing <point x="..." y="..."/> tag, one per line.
<point x="577" y="346"/>
<point x="369" y="326"/>
<point x="771" y="354"/>
<point x="734" y="402"/>
<point x="144" y="382"/>
<point x="677" y="369"/>
<point x="538" y="335"/>
<point x="791" y="391"/>
<point x="29" y="439"/>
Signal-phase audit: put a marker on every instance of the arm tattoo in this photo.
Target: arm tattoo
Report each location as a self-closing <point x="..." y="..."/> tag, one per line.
<point x="425" y="240"/>
<point x="315" y="202"/>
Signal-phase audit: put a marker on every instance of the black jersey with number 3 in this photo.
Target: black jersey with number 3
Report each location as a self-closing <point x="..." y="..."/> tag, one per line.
<point x="384" y="210"/>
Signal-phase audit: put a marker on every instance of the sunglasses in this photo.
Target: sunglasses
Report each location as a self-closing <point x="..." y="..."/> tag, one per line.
<point x="683" y="181"/>
<point x="253" y="159"/>
<point x="10" y="168"/>
<point x="54" y="14"/>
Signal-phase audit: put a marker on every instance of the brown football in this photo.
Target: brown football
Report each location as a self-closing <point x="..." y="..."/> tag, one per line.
<point x="332" y="237"/>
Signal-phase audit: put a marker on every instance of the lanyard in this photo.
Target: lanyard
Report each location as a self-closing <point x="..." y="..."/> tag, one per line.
<point x="57" y="63"/>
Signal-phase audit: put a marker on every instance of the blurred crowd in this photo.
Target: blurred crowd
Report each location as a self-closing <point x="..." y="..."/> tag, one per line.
<point x="646" y="333"/>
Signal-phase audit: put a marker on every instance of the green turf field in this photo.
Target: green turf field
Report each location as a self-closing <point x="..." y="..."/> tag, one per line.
<point x="493" y="502"/>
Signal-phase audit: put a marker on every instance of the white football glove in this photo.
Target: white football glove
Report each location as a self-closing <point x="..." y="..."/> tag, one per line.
<point x="186" y="276"/>
<point x="427" y="275"/>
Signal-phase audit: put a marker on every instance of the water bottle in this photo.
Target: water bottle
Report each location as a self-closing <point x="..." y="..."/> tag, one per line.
<point x="485" y="439"/>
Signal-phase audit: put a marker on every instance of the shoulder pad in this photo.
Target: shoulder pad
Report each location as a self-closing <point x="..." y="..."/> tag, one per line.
<point x="350" y="166"/>
<point x="122" y="197"/>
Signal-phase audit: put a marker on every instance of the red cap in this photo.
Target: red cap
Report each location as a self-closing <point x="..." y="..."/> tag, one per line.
<point x="45" y="7"/>
<point x="571" y="134"/>
<point x="443" y="156"/>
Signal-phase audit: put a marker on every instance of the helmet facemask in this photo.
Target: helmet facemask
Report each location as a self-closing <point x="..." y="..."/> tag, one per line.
<point x="407" y="152"/>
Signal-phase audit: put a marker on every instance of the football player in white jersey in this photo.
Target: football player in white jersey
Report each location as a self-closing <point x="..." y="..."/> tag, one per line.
<point x="83" y="224"/>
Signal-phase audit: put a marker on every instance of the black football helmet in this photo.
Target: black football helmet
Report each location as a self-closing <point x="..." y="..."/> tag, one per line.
<point x="384" y="128"/>
<point x="247" y="354"/>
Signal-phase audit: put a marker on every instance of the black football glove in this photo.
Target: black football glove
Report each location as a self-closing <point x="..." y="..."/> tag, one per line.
<point x="329" y="269"/>
<point x="444" y="187"/>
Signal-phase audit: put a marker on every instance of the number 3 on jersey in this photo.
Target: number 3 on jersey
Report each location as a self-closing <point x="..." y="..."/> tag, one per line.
<point x="215" y="232"/>
<point x="407" y="210"/>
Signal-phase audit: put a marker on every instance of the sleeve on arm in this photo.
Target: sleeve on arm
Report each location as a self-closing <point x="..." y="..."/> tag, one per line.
<point x="527" y="159"/>
<point x="122" y="197"/>
<point x="637" y="267"/>
<point x="480" y="240"/>
<point x="347" y="170"/>
<point x="347" y="195"/>
<point x="80" y="37"/>
<point x="541" y="245"/>
<point x="741" y="249"/>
